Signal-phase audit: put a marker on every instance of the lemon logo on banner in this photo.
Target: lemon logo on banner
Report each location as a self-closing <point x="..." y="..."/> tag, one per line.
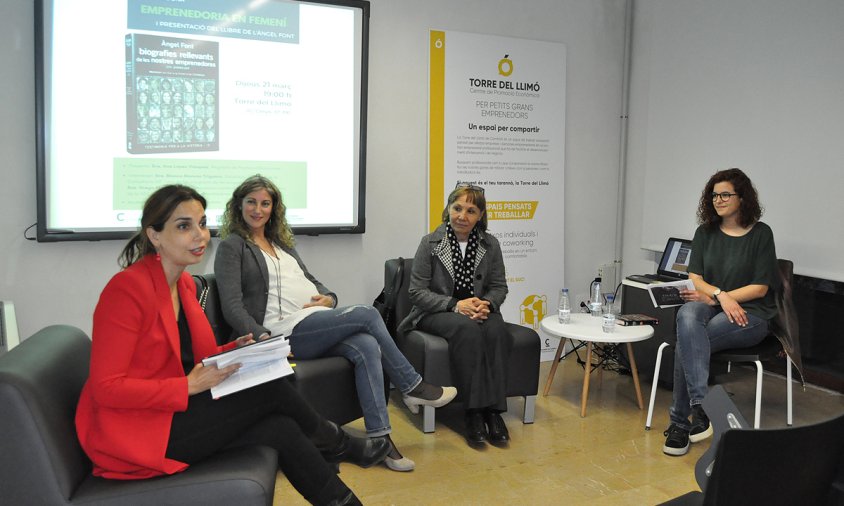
<point x="505" y="66"/>
<point x="511" y="209"/>
<point x="533" y="310"/>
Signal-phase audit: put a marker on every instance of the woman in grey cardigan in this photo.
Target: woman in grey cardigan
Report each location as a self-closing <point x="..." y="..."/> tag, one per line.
<point x="266" y="289"/>
<point x="457" y="287"/>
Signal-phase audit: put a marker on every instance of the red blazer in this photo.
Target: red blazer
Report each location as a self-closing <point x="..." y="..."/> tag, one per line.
<point x="136" y="380"/>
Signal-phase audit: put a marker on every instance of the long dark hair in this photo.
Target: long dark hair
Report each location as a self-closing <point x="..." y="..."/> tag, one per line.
<point x="474" y="195"/>
<point x="750" y="210"/>
<point x="277" y="231"/>
<point x="157" y="210"/>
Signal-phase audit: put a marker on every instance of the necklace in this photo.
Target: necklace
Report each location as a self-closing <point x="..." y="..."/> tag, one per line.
<point x="277" y="267"/>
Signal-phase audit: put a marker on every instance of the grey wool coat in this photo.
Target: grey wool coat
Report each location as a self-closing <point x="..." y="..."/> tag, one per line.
<point x="432" y="281"/>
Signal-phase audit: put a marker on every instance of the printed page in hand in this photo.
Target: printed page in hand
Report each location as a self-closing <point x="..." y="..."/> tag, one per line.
<point x="668" y="294"/>
<point x="259" y="362"/>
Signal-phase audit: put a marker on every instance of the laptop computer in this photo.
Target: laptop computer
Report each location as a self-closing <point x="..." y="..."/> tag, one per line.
<point x="674" y="264"/>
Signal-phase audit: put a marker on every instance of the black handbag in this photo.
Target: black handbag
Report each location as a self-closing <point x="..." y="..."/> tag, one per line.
<point x="385" y="303"/>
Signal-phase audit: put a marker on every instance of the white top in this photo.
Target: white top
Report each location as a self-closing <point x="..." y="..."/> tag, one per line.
<point x="585" y="327"/>
<point x="289" y="291"/>
<point x="463" y="245"/>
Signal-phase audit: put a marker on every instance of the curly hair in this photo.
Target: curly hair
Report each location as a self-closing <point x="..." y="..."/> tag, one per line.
<point x="277" y="231"/>
<point x="750" y="210"/>
<point x="474" y="195"/>
<point x="157" y="210"/>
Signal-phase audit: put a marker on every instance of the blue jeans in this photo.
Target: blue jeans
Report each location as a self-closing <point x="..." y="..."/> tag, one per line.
<point x="701" y="331"/>
<point x="358" y="334"/>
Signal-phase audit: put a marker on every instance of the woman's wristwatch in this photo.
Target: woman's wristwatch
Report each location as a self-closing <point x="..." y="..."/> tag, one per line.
<point x="716" y="293"/>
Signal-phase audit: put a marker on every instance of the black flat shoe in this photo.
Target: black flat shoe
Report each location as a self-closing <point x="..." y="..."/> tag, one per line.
<point x="362" y="451"/>
<point x="498" y="433"/>
<point x="475" y="428"/>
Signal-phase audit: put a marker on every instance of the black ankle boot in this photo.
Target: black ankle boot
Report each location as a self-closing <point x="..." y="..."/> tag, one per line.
<point x="335" y="493"/>
<point x="328" y="435"/>
<point x="349" y="500"/>
<point x="364" y="452"/>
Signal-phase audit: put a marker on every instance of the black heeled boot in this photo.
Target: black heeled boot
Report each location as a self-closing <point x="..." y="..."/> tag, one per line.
<point x="335" y="493"/>
<point x="337" y="446"/>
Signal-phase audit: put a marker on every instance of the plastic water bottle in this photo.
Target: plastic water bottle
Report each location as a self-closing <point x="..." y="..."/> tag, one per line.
<point x="608" y="323"/>
<point x="595" y="297"/>
<point x="564" y="306"/>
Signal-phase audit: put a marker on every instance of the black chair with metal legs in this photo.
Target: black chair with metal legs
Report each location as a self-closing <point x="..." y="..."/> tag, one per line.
<point x="768" y="349"/>
<point x="782" y="340"/>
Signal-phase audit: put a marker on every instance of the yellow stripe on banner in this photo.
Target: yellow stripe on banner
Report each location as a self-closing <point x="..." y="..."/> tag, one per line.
<point x="511" y="209"/>
<point x="436" y="125"/>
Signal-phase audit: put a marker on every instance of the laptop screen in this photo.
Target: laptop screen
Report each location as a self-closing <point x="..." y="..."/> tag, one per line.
<point x="675" y="258"/>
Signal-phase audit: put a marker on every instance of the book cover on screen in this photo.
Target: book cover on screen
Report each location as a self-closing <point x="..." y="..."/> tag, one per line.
<point x="172" y="94"/>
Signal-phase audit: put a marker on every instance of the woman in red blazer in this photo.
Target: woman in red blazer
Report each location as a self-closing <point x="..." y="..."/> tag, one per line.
<point x="146" y="409"/>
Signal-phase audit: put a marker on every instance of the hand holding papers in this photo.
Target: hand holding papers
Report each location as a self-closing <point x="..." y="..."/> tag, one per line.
<point x="668" y="294"/>
<point x="260" y="362"/>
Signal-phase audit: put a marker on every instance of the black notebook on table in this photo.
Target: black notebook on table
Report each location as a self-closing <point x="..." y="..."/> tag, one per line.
<point x="636" y="319"/>
<point x="674" y="264"/>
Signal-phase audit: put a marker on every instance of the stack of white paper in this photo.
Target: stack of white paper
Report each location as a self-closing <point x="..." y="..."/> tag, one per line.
<point x="259" y="362"/>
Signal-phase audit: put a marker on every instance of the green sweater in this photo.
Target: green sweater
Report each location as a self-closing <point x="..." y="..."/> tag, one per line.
<point x="733" y="262"/>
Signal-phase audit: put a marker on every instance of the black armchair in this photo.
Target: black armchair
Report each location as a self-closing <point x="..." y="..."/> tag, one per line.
<point x="41" y="461"/>
<point x="429" y="354"/>
<point x="795" y="465"/>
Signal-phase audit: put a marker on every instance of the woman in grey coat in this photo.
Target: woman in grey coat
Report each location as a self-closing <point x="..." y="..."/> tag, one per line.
<point x="457" y="287"/>
<point x="266" y="289"/>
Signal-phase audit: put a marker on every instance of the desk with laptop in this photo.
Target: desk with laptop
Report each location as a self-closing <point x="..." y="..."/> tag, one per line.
<point x="673" y="266"/>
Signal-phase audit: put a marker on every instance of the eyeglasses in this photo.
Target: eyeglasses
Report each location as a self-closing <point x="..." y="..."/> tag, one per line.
<point x="469" y="186"/>
<point x="725" y="196"/>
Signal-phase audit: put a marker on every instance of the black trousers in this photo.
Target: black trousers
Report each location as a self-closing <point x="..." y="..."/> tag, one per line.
<point x="272" y="414"/>
<point x="479" y="354"/>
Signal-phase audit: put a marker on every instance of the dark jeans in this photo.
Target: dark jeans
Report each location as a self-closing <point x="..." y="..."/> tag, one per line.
<point x="271" y="414"/>
<point x="479" y="353"/>
<point x="701" y="331"/>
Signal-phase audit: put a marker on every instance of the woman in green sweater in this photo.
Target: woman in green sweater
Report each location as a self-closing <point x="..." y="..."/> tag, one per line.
<point x="734" y="269"/>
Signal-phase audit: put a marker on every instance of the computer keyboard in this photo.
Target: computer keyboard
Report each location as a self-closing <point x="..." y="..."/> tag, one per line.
<point x="643" y="278"/>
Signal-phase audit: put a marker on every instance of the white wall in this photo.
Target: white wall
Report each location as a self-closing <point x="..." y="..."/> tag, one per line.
<point x="754" y="84"/>
<point x="60" y="282"/>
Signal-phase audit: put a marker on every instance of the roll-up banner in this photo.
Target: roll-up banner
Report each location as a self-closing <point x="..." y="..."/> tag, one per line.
<point x="497" y="119"/>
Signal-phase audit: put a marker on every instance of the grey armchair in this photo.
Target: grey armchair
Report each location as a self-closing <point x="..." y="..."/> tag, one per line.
<point x="41" y="461"/>
<point x="429" y="354"/>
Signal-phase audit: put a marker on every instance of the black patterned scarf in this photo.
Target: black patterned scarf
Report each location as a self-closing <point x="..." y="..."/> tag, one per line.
<point x="464" y="265"/>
